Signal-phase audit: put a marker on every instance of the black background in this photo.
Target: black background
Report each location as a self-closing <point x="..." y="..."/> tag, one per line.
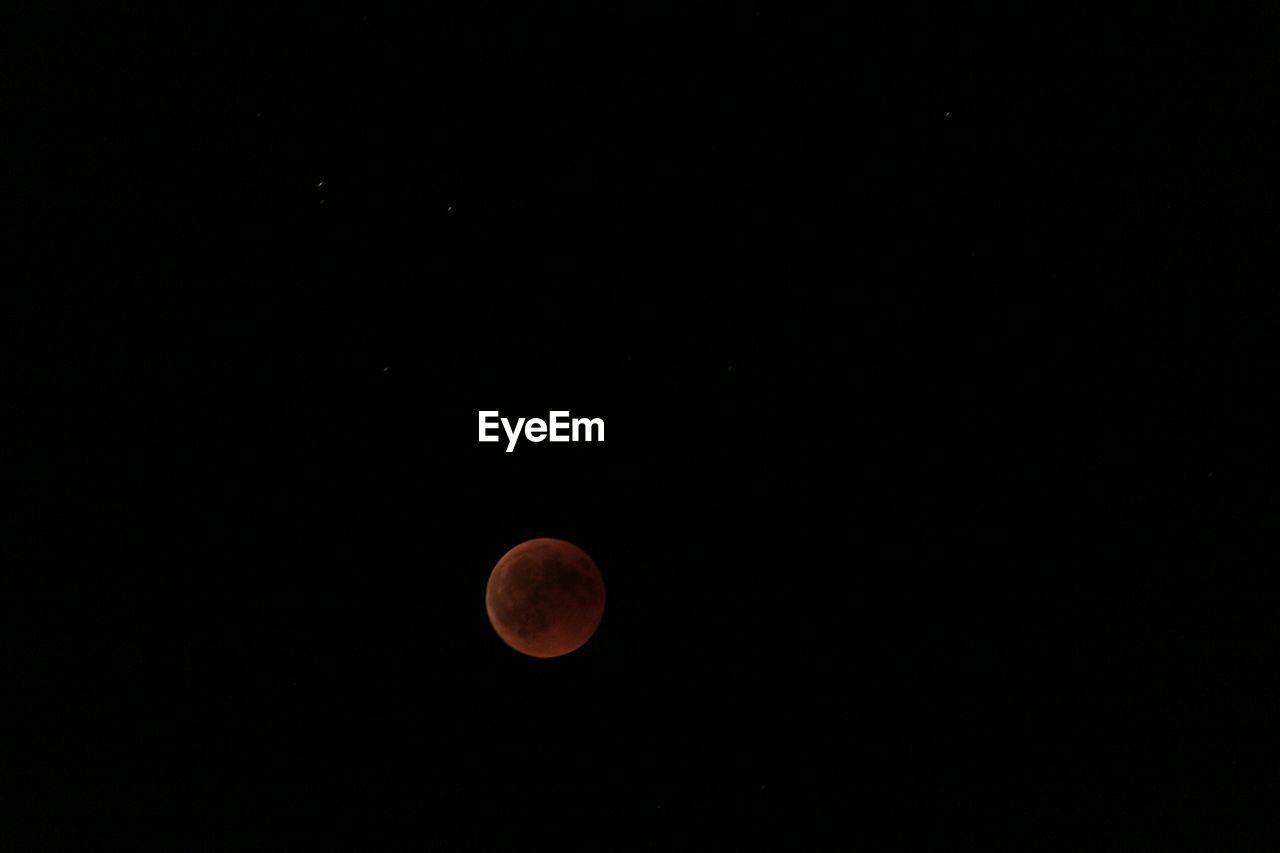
<point x="937" y="505"/>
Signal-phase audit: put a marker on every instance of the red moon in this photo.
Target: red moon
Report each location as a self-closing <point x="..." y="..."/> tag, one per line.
<point x="545" y="597"/>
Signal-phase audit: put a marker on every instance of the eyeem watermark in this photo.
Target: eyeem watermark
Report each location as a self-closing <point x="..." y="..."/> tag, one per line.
<point x="557" y="427"/>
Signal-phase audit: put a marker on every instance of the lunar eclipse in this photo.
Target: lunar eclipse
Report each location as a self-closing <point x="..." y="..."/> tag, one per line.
<point x="545" y="597"/>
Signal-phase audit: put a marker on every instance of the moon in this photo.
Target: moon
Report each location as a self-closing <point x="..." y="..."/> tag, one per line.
<point x="545" y="597"/>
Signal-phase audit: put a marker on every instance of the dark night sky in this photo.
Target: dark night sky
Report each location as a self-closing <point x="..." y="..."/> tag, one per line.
<point x="937" y="508"/>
